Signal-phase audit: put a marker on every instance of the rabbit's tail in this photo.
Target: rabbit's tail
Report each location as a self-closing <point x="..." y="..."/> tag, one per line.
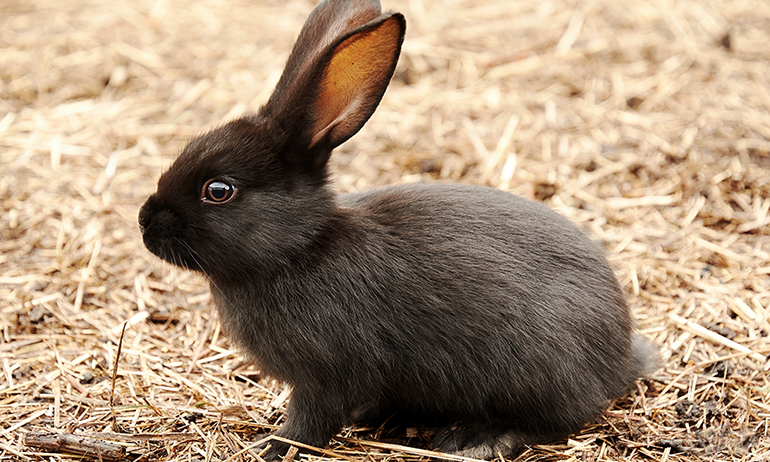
<point x="646" y="360"/>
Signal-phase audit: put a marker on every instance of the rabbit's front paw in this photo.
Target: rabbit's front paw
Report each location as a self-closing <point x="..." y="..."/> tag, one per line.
<point x="276" y="451"/>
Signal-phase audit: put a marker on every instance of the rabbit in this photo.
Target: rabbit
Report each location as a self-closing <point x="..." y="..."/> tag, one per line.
<point x="464" y="305"/>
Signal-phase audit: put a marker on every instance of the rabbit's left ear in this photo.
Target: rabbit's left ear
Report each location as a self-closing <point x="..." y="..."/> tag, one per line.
<point x="353" y="79"/>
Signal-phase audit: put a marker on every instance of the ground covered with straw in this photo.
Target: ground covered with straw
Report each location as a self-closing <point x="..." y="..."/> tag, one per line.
<point x="645" y="122"/>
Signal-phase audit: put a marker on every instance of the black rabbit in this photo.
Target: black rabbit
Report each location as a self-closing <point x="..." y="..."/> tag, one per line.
<point x="456" y="304"/>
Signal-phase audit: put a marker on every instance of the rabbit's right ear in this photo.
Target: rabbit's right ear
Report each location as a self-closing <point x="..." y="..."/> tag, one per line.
<point x="334" y="79"/>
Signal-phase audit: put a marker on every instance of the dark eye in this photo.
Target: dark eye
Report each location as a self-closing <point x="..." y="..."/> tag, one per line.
<point x="217" y="192"/>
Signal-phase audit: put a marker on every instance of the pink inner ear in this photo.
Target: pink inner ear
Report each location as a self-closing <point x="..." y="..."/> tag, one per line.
<point x="354" y="80"/>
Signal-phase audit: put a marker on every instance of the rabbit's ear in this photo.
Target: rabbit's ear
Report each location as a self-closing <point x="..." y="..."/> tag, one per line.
<point x="335" y="77"/>
<point x="328" y="21"/>
<point x="352" y="83"/>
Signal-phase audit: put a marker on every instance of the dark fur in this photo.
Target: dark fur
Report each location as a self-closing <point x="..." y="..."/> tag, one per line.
<point x="454" y="303"/>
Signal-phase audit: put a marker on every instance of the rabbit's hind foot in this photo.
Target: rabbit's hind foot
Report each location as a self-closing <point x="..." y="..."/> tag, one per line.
<point x="484" y="441"/>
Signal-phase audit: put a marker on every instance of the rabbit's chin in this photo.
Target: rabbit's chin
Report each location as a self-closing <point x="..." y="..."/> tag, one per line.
<point x="174" y="256"/>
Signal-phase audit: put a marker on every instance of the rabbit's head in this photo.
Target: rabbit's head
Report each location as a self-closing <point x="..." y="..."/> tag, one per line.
<point x="252" y="193"/>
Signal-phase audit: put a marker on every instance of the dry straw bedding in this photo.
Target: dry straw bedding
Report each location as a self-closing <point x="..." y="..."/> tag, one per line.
<point x="645" y="122"/>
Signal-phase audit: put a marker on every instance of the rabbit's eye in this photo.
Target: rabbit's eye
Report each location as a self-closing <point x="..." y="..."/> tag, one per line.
<point x="217" y="192"/>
